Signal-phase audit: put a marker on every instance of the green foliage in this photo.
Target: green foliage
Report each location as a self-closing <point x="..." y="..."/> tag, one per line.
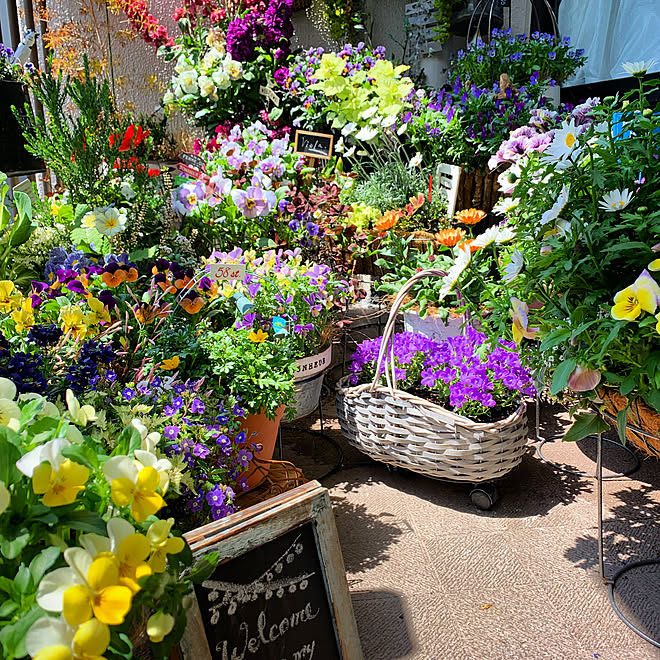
<point x="443" y="13"/>
<point x="258" y="372"/>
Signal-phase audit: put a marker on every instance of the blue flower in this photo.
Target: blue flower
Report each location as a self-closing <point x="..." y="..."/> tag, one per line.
<point x="128" y="393"/>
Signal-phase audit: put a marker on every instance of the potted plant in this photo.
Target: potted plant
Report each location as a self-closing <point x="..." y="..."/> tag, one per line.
<point x="294" y="305"/>
<point x="250" y="366"/>
<point x="13" y="97"/>
<point x="587" y="219"/>
<point x="426" y="405"/>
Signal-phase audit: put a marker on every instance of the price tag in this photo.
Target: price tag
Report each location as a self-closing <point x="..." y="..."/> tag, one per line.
<point x="226" y="271"/>
<point x="270" y="94"/>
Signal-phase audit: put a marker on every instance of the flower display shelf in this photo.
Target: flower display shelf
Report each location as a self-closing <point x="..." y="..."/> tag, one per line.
<point x="611" y="582"/>
<point x="404" y="430"/>
<point x="279" y="477"/>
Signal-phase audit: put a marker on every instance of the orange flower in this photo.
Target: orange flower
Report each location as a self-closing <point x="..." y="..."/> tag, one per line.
<point x="132" y="275"/>
<point x="469" y="216"/>
<point x="415" y="203"/>
<point x="185" y="283"/>
<point x="213" y="291"/>
<point x="192" y="306"/>
<point x="166" y="286"/>
<point x="467" y="243"/>
<point x="147" y="314"/>
<point x="170" y="363"/>
<point x="388" y="220"/>
<point x="113" y="280"/>
<point x="449" y="237"/>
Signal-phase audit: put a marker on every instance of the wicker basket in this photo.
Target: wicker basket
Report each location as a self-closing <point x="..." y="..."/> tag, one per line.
<point x="407" y="431"/>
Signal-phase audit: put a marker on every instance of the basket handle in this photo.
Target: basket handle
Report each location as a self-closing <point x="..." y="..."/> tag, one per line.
<point x="391" y="322"/>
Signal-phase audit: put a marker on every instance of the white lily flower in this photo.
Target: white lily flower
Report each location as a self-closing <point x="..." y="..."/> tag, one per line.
<point x="616" y="200"/>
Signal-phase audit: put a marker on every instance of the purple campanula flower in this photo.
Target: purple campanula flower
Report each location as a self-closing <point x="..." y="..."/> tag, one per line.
<point x="128" y="393"/>
<point x="171" y="432"/>
<point x="197" y="406"/>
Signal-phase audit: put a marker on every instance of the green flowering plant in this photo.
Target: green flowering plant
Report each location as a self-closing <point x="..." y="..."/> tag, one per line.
<point x="587" y="222"/>
<point x="83" y="557"/>
<point x="250" y="365"/>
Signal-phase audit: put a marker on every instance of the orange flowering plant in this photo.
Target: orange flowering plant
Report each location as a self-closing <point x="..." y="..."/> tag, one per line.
<point x="84" y="557"/>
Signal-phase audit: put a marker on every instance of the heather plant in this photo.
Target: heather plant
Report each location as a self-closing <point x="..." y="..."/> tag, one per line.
<point x="475" y="377"/>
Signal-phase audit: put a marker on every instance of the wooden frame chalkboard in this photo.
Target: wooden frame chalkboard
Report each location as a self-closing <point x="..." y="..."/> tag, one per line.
<point x="314" y="145"/>
<point x="280" y="589"/>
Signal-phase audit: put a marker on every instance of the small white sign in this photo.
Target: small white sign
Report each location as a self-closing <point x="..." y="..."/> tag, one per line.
<point x="226" y="271"/>
<point x="270" y="94"/>
<point x="314" y="364"/>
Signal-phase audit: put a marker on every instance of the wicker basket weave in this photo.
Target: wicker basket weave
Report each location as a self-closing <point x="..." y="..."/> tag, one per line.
<point x="405" y="430"/>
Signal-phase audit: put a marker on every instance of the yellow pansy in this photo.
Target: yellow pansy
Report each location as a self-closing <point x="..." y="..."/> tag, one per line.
<point x="519" y="311"/>
<point x="134" y="487"/>
<point x="23" y="316"/>
<point x="170" y="363"/>
<point x="99" y="313"/>
<point x="640" y="296"/>
<point x="6" y="298"/>
<point x="657" y="325"/>
<point x="101" y="596"/>
<point x="654" y="265"/>
<point x="163" y="544"/>
<point x="73" y="319"/>
<point x="52" y="638"/>
<point x="159" y="626"/>
<point x="79" y="414"/>
<point x="258" y="337"/>
<point x="59" y="486"/>
<point x="126" y="547"/>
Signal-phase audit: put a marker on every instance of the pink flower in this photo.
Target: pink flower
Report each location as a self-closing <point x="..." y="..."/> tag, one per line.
<point x="583" y="379"/>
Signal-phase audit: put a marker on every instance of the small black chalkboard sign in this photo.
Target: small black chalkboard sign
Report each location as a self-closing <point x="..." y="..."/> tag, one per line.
<point x="315" y="145"/>
<point x="279" y="592"/>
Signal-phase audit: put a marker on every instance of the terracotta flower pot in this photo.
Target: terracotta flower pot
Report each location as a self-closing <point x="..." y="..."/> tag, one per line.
<point x="261" y="431"/>
<point x="640" y="415"/>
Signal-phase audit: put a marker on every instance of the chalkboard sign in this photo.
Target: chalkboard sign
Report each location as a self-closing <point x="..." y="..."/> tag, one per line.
<point x="280" y="589"/>
<point x="315" y="145"/>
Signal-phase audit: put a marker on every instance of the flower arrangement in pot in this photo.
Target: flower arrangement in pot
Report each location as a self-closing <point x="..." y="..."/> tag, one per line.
<point x="250" y="367"/>
<point x="293" y="304"/>
<point x="587" y="221"/>
<point x="225" y="58"/>
<point x="451" y="409"/>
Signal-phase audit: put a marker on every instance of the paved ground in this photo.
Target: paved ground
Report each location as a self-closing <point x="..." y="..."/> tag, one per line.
<point x="433" y="577"/>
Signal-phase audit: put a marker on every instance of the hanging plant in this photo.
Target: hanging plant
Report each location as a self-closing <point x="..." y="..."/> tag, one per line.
<point x="444" y="10"/>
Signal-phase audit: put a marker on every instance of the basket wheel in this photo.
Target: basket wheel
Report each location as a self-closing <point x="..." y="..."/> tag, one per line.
<point x="484" y="496"/>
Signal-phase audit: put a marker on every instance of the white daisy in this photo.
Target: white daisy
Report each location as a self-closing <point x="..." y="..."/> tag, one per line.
<point x="416" y="160"/>
<point x="504" y="205"/>
<point x="553" y="212"/>
<point x="349" y="128"/>
<point x="402" y="129"/>
<point x="564" y="145"/>
<point x="367" y="133"/>
<point x="616" y="200"/>
<point x="460" y="264"/>
<point x="513" y="268"/>
<point x="350" y="152"/>
<point x="340" y="147"/>
<point x="638" y="68"/>
<point x="370" y="112"/>
<point x="493" y="235"/>
<point x="388" y="121"/>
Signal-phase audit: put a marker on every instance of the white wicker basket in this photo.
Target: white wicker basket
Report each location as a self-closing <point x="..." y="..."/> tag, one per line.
<point x="407" y="431"/>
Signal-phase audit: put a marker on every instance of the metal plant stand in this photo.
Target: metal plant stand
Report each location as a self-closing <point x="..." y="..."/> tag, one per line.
<point x="316" y="434"/>
<point x="612" y="582"/>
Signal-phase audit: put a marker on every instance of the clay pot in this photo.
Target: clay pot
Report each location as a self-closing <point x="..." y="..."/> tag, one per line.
<point x="261" y="431"/>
